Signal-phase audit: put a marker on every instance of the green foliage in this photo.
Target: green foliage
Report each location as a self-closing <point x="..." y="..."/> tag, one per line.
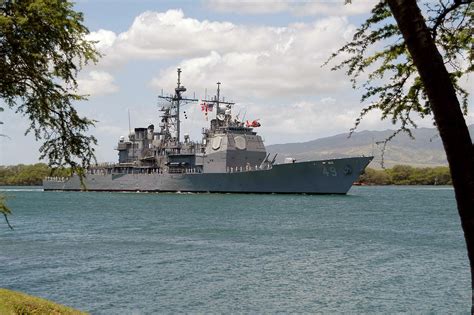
<point x="27" y="175"/>
<point x="375" y="177"/>
<point x="1" y="122"/>
<point x="407" y="175"/>
<point x="42" y="48"/>
<point x="5" y="210"/>
<point x="378" y="55"/>
<point x="3" y="207"/>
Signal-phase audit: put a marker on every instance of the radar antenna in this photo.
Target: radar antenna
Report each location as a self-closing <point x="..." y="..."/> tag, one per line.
<point x="171" y="117"/>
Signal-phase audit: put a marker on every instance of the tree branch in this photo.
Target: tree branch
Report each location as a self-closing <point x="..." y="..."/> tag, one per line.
<point x="8" y="223"/>
<point x="442" y="15"/>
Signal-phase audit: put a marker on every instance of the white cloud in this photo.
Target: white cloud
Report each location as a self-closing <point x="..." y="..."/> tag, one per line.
<point x="295" y="7"/>
<point x="250" y="75"/>
<point x="258" y="61"/>
<point x="103" y="39"/>
<point x="168" y="35"/>
<point x="97" y="83"/>
<point x="171" y="35"/>
<point x="303" y="120"/>
<point x="264" y="61"/>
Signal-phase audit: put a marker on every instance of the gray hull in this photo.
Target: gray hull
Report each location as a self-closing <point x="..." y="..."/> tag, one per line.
<point x="314" y="177"/>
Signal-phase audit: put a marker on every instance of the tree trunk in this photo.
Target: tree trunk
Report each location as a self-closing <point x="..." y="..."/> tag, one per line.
<point x="447" y="113"/>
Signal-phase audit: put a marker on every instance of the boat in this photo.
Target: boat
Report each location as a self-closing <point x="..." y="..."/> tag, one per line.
<point x="230" y="158"/>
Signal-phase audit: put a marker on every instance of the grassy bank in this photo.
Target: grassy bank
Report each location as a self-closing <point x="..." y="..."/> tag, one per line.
<point x="12" y="302"/>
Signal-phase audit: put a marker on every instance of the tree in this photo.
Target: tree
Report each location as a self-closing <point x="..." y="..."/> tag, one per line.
<point x="398" y="42"/>
<point x="42" y="48"/>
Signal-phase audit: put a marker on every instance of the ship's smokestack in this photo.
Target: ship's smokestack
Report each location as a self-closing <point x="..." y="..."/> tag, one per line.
<point x="150" y="131"/>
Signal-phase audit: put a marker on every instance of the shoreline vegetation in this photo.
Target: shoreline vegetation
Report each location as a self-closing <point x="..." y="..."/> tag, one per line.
<point x="13" y="302"/>
<point x="406" y="175"/>
<point x="32" y="175"/>
<point x="29" y="175"/>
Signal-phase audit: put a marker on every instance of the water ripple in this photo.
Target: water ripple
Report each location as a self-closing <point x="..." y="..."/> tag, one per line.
<point x="377" y="250"/>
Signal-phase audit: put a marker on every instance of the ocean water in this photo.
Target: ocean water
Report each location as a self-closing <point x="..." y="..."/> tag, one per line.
<point x="376" y="250"/>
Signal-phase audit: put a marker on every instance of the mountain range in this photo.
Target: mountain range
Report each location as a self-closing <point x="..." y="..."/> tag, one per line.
<point x="425" y="150"/>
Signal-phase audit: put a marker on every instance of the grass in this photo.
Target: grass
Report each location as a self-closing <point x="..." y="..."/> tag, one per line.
<point x="13" y="303"/>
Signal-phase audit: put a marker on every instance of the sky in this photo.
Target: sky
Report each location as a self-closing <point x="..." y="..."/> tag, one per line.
<point x="268" y="55"/>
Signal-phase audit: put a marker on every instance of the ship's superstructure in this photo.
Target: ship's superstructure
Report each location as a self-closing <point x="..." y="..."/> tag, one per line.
<point x="228" y="145"/>
<point x="230" y="157"/>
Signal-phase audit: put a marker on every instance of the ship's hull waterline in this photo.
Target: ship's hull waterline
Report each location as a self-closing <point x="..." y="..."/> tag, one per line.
<point x="334" y="176"/>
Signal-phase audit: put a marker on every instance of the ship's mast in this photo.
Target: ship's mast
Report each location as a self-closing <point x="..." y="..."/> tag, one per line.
<point x="176" y="103"/>
<point x="178" y="91"/>
<point x="217" y="100"/>
<point x="218" y="96"/>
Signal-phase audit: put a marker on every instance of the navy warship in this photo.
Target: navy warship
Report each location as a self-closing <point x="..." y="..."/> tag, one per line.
<point x="230" y="158"/>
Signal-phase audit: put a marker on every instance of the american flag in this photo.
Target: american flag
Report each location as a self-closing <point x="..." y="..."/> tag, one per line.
<point x="207" y="107"/>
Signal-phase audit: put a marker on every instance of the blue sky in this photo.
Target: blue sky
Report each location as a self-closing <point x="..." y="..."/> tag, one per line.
<point x="267" y="54"/>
